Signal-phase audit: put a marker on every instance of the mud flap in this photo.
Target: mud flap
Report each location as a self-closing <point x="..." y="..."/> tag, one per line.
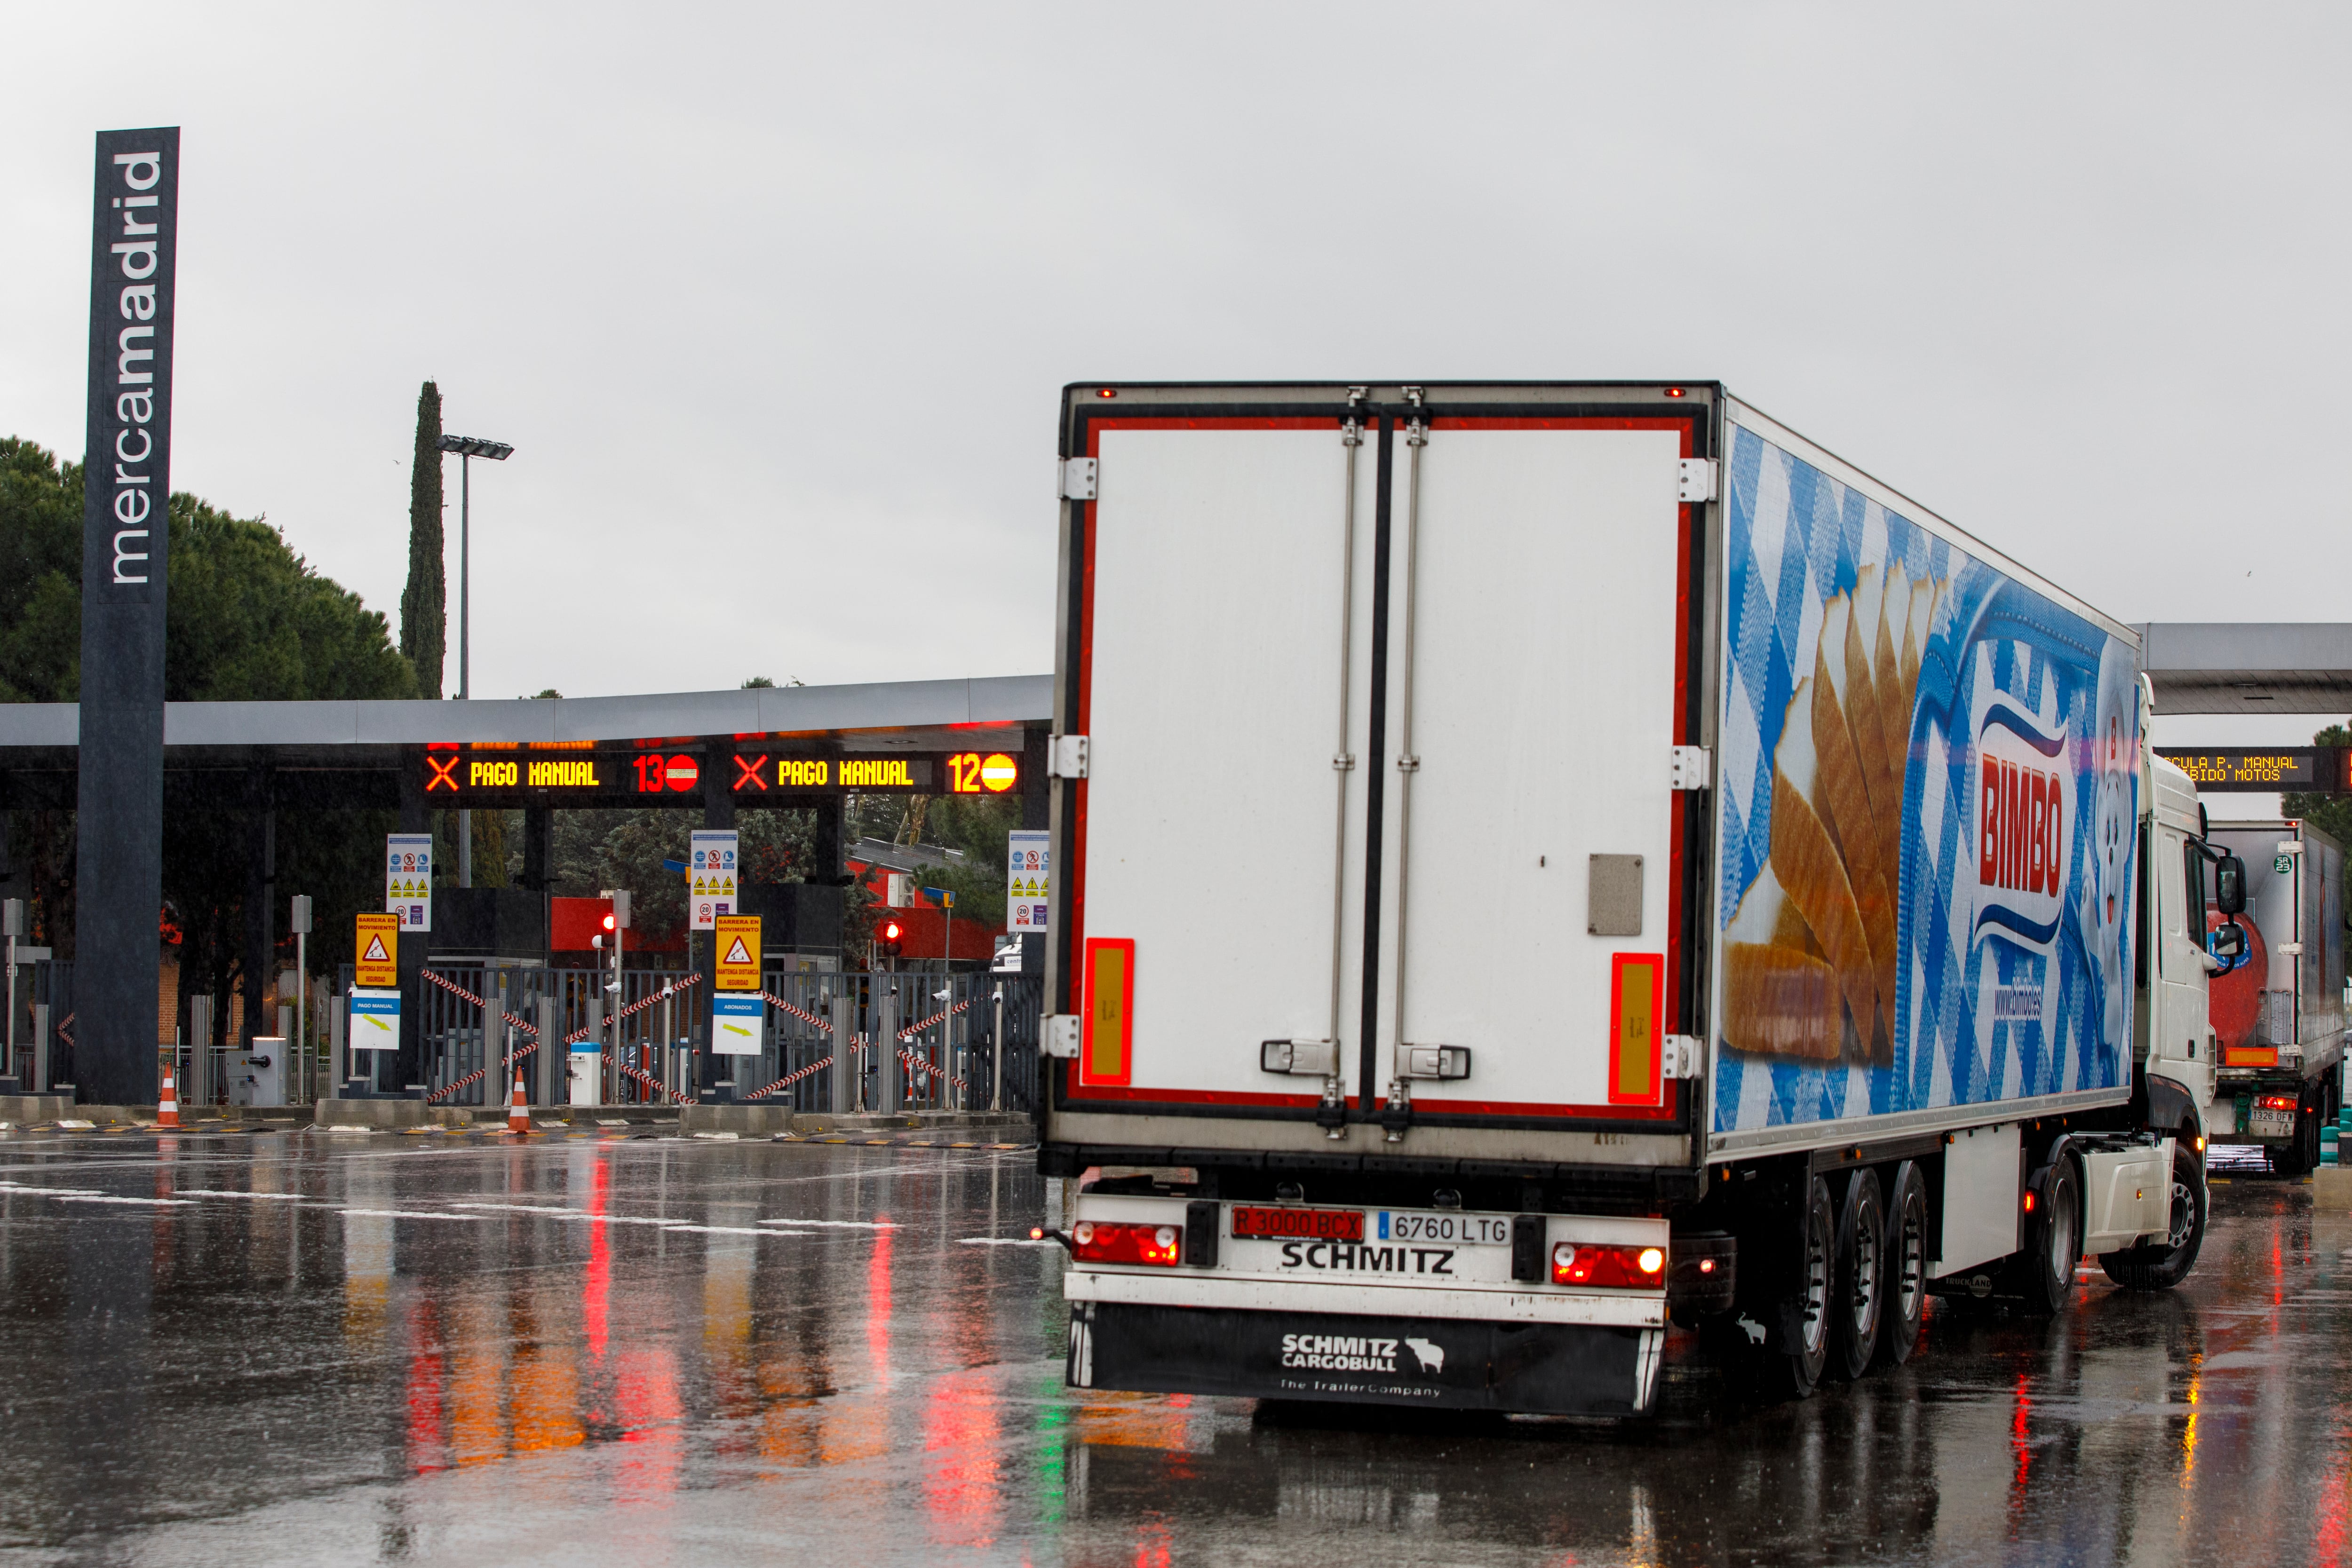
<point x="1439" y="1363"/>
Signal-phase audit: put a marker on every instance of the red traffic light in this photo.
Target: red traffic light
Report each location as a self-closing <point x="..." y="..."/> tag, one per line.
<point x="887" y="935"/>
<point x="608" y="922"/>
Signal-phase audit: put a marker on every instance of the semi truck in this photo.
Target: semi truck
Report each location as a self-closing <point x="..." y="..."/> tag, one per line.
<point x="1536" y="864"/>
<point x="2278" y="1010"/>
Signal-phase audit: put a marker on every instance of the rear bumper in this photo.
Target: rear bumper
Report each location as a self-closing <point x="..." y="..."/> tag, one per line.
<point x="1570" y="1369"/>
<point x="1256" y="1294"/>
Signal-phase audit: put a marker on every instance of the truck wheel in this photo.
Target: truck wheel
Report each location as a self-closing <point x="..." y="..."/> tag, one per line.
<point x="1858" y="1288"/>
<point x="2161" y="1265"/>
<point x="1907" y="1265"/>
<point x="1800" y="1349"/>
<point x="2043" y="1273"/>
<point x="2301" y="1157"/>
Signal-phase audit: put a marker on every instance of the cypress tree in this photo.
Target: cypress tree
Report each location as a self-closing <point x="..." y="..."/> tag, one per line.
<point x="425" y="602"/>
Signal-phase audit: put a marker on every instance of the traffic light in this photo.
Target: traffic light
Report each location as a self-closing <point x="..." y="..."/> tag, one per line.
<point x="888" y="935"/>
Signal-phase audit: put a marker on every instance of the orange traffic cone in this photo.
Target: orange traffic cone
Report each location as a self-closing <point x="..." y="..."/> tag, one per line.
<point x="518" y="1108"/>
<point x="167" y="1103"/>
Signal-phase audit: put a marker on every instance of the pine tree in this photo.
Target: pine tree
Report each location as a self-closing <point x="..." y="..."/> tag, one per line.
<point x="425" y="603"/>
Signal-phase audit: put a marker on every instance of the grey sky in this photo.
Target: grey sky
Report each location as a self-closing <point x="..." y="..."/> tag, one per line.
<point x="775" y="303"/>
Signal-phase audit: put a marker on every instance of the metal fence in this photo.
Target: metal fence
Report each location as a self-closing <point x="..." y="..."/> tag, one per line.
<point x="908" y="1042"/>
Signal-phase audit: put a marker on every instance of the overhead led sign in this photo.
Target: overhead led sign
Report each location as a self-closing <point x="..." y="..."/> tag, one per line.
<point x="505" y="776"/>
<point x="761" y="773"/>
<point x="2306" y="770"/>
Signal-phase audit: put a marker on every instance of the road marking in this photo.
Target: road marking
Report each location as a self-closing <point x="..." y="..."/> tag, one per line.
<point x="256" y="1196"/>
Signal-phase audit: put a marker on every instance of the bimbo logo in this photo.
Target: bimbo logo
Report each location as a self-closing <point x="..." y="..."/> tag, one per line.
<point x="2026" y="810"/>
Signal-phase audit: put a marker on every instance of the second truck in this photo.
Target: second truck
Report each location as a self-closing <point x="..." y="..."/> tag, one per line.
<point x="1537" y="863"/>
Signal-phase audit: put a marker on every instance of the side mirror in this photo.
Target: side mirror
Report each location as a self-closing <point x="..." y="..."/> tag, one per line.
<point x="2227" y="942"/>
<point x="2230" y="885"/>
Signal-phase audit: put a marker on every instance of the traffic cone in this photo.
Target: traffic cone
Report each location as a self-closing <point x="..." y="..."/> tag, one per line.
<point x="518" y="1108"/>
<point x="167" y="1103"/>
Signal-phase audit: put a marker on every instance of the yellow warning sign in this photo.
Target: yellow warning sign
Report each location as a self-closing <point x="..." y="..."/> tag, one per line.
<point x="738" y="952"/>
<point x="378" y="947"/>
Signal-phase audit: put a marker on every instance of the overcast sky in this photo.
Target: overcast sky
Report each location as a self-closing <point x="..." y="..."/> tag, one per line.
<point x="775" y="304"/>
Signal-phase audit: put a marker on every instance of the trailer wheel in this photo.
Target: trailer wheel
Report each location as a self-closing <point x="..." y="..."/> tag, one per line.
<point x="2159" y="1266"/>
<point x="1799" y="1352"/>
<point x="2043" y="1273"/>
<point x="1858" y="1289"/>
<point x="1907" y="1265"/>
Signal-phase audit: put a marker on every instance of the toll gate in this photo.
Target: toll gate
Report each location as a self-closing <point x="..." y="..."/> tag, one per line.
<point x="485" y="986"/>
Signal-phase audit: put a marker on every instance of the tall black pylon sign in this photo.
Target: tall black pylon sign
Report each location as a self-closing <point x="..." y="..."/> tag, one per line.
<point x="126" y="495"/>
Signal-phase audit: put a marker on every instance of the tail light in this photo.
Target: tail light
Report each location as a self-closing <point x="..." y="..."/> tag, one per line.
<point x="1611" y="1268"/>
<point x="1101" y="1241"/>
<point x="2277" y="1103"/>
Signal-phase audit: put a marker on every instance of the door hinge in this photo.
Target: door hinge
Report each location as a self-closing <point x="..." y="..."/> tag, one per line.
<point x="1689" y="768"/>
<point x="1698" y="482"/>
<point x="1079" y="476"/>
<point x="1680" y="1057"/>
<point x="1060" y="1036"/>
<point x="1066" y="758"/>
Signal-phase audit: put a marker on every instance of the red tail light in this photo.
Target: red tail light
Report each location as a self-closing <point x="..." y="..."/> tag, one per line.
<point x="1098" y="1241"/>
<point x="2277" y="1103"/>
<point x="1611" y="1268"/>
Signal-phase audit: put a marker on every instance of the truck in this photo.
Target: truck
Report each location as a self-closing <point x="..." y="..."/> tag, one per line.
<point x="2277" y="1011"/>
<point x="1534" y="865"/>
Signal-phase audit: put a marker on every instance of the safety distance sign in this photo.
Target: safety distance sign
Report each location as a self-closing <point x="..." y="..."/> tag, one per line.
<point x="737" y="946"/>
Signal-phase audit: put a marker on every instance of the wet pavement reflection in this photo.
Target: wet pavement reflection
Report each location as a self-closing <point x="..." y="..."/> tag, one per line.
<point x="636" y="1350"/>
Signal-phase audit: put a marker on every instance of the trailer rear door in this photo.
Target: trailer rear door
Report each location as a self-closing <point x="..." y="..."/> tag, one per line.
<point x="1471" y="623"/>
<point x="1538" y="616"/>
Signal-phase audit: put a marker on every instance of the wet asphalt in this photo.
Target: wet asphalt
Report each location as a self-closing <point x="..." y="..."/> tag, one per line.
<point x="625" y="1349"/>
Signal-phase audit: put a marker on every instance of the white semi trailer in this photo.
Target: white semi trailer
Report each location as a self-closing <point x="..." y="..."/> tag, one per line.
<point x="1539" y="862"/>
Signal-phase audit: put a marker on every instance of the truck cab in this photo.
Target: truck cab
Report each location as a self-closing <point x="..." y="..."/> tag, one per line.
<point x="2175" y="1049"/>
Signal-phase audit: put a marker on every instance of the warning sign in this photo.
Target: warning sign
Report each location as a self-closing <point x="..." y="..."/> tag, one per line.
<point x="710" y="877"/>
<point x="379" y="952"/>
<point x="1025" y="900"/>
<point x="738" y="952"/>
<point x="408" y="879"/>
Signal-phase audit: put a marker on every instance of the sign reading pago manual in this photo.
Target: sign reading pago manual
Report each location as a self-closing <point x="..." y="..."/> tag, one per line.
<point x="408" y="879"/>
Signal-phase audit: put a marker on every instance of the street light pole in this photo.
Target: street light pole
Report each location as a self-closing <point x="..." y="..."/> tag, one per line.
<point x="467" y="448"/>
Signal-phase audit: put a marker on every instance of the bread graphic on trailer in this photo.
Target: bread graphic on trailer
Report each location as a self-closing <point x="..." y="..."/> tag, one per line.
<point x="1809" y="957"/>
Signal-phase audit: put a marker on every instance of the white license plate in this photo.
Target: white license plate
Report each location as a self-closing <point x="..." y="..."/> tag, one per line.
<point x="1441" y="1228"/>
<point x="2271" y="1123"/>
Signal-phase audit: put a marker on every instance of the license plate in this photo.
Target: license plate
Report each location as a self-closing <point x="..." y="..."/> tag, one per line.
<point x="2271" y="1123"/>
<point x="1285" y="1224"/>
<point x="1441" y="1228"/>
